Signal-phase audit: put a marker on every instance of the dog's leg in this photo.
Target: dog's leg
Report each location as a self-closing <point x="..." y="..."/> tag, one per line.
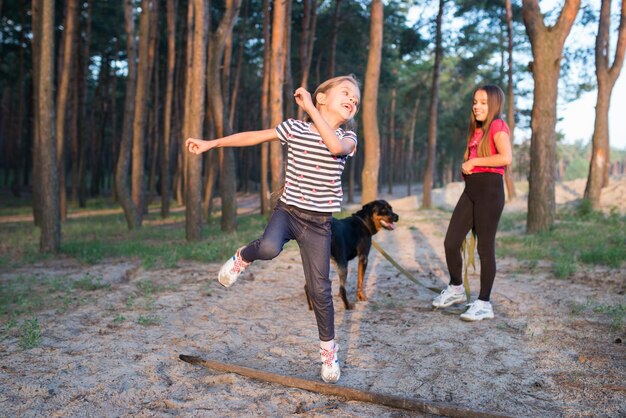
<point x="308" y="298"/>
<point x="360" y="284"/>
<point x="342" y="272"/>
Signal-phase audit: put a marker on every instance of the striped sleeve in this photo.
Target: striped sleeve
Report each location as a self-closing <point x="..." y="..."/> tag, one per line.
<point x="351" y="135"/>
<point x="285" y="131"/>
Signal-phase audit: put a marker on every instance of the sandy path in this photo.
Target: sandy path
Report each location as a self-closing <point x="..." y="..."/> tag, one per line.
<point x="536" y="358"/>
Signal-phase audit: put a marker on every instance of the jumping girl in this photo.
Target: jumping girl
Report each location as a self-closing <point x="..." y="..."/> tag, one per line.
<point x="479" y="208"/>
<point x="317" y="149"/>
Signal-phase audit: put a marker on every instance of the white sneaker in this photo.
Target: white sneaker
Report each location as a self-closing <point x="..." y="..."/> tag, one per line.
<point x="231" y="269"/>
<point x="478" y="310"/>
<point x="449" y="297"/>
<point x="330" y="365"/>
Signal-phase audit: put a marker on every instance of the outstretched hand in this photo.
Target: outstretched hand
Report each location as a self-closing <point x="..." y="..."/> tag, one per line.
<point x="303" y="99"/>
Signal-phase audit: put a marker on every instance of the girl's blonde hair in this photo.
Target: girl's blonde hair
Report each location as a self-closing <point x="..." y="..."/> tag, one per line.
<point x="495" y="103"/>
<point x="329" y="84"/>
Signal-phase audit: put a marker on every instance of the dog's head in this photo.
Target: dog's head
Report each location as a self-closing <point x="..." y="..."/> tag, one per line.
<point x="380" y="214"/>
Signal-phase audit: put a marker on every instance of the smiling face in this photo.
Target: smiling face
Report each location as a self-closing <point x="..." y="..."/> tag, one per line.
<point x="340" y="102"/>
<point x="480" y="108"/>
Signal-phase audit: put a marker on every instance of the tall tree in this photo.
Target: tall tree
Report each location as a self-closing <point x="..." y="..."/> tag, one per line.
<point x="172" y="6"/>
<point x="510" y="99"/>
<point x="333" y="40"/>
<point x="148" y="7"/>
<point x="606" y="75"/>
<point x="50" y="221"/>
<point x="265" y="108"/>
<point x="63" y="90"/>
<point x="547" y="47"/>
<point x="391" y="148"/>
<point x="429" y="171"/>
<point x="309" y="22"/>
<point x="369" y="175"/>
<point x="123" y="162"/>
<point x="228" y="180"/>
<point x="277" y="78"/>
<point x="193" y="192"/>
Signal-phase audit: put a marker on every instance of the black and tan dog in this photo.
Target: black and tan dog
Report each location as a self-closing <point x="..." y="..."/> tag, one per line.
<point x="352" y="237"/>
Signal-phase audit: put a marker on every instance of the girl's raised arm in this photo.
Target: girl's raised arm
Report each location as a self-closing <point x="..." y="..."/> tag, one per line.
<point x="242" y="139"/>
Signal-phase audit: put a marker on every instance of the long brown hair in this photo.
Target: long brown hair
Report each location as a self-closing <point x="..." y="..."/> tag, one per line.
<point x="329" y="84"/>
<point x="495" y="103"/>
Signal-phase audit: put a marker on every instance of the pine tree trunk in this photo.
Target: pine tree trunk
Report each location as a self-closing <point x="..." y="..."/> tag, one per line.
<point x="50" y="239"/>
<point x="392" y="139"/>
<point x="193" y="191"/>
<point x="277" y="77"/>
<point x="63" y="90"/>
<point x="547" y="47"/>
<point x="141" y="112"/>
<point x="309" y="22"/>
<point x="167" y="116"/>
<point x="265" y="112"/>
<point x="123" y="163"/>
<point x="600" y="157"/>
<point x="227" y="179"/>
<point x="431" y="155"/>
<point x="369" y="175"/>
<point x="36" y="153"/>
<point x="410" y="161"/>
<point x="510" y="99"/>
<point x="333" y="40"/>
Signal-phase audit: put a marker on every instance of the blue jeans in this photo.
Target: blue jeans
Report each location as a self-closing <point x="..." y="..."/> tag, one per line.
<point x="311" y="230"/>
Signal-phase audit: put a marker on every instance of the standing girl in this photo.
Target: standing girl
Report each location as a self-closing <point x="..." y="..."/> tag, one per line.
<point x="317" y="150"/>
<point x="479" y="208"/>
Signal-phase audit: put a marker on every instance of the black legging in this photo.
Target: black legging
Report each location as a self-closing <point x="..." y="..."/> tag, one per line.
<point x="479" y="208"/>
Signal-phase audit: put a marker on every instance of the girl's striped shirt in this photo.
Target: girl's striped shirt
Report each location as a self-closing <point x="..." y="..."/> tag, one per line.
<point x="313" y="174"/>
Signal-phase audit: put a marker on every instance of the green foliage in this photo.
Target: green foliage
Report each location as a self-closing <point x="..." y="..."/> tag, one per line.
<point x="579" y="236"/>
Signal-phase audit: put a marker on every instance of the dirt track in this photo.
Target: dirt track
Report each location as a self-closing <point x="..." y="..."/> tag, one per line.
<point x="547" y="352"/>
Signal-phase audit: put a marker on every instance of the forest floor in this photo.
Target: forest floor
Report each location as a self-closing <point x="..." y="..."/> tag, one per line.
<point x="549" y="352"/>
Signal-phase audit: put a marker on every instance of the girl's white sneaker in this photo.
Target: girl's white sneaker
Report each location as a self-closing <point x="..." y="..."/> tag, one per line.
<point x="232" y="269"/>
<point x="477" y="311"/>
<point x="330" y="365"/>
<point x="448" y="297"/>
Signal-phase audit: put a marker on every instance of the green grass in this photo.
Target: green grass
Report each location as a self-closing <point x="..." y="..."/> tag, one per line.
<point x="615" y="313"/>
<point x="30" y="334"/>
<point x="579" y="236"/>
<point x="157" y="243"/>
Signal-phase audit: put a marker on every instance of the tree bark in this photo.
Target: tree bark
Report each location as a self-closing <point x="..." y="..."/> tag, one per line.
<point x="166" y="187"/>
<point x="309" y="22"/>
<point x="333" y="40"/>
<point x="63" y="90"/>
<point x="141" y="109"/>
<point x="607" y="76"/>
<point x="369" y="175"/>
<point x="50" y="239"/>
<point x="392" y="138"/>
<point x="193" y="192"/>
<point x="547" y="47"/>
<point x="36" y="153"/>
<point x="265" y="111"/>
<point x="510" y="113"/>
<point x="228" y="180"/>
<point x="123" y="163"/>
<point x="277" y="77"/>
<point x="431" y="156"/>
<point x="410" y="161"/>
